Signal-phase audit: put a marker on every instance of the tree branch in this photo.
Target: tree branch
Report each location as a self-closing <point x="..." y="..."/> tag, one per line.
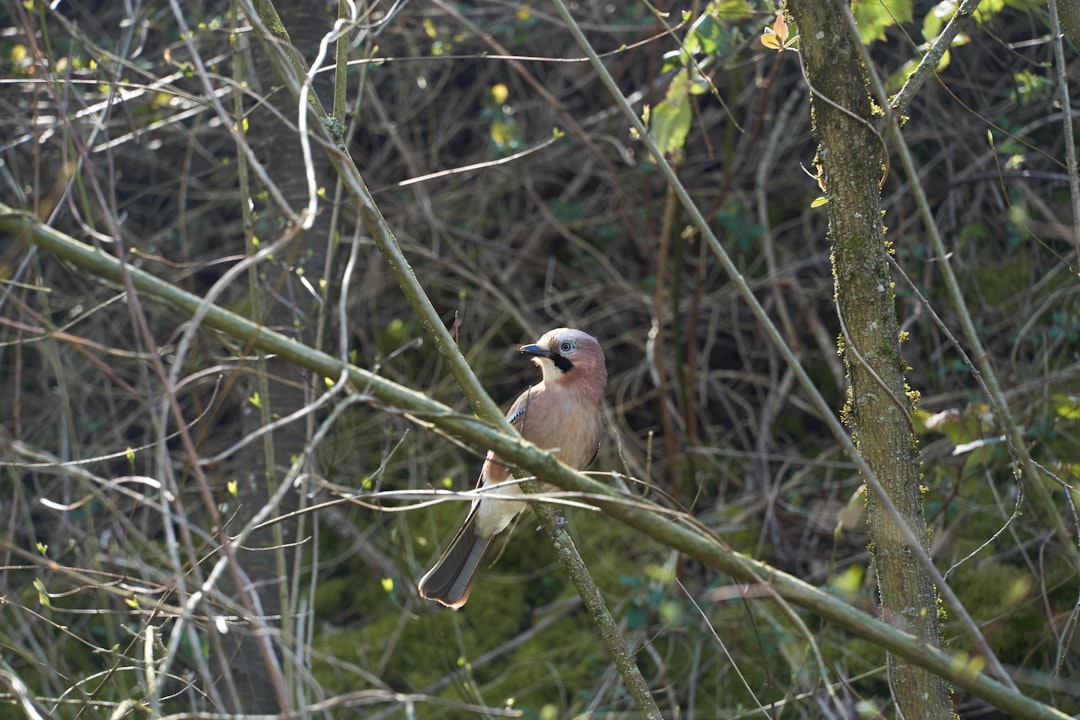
<point x="680" y="532"/>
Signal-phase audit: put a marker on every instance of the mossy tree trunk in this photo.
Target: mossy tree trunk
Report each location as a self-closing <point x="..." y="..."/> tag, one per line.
<point x="851" y="162"/>
<point x="1069" y="14"/>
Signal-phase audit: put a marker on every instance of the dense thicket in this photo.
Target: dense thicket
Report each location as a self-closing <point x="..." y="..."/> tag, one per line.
<point x="523" y="202"/>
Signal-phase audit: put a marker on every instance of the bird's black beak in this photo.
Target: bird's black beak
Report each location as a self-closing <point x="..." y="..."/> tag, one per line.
<point x="535" y="350"/>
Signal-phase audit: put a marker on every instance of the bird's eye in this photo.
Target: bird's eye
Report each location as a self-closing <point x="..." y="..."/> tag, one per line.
<point x="566" y="346"/>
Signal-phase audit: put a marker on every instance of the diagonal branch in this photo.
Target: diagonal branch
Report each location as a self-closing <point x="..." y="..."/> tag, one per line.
<point x="932" y="58"/>
<point x="679" y="532"/>
<point x="746" y="292"/>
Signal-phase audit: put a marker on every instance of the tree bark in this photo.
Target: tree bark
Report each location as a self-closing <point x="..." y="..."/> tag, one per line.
<point x="851" y="163"/>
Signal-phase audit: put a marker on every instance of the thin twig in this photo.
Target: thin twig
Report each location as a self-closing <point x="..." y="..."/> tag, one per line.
<point x="482" y="403"/>
<point x="680" y="532"/>
<point x="1070" y="140"/>
<point x="820" y="404"/>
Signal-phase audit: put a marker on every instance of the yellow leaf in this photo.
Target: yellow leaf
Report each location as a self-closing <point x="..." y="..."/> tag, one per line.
<point x="770" y="41"/>
<point x="660" y="573"/>
<point x="849" y="581"/>
<point x="502" y="134"/>
<point x="499" y="93"/>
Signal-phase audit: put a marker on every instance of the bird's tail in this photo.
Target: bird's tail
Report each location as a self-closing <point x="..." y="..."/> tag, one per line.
<point x="451" y="579"/>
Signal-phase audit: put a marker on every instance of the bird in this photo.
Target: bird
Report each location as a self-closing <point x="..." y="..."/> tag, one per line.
<point x="563" y="413"/>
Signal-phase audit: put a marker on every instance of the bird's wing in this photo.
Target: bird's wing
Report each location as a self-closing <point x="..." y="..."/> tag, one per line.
<point x="516" y="416"/>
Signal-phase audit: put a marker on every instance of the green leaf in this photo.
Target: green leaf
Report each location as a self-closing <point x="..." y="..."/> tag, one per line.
<point x="730" y="10"/>
<point x="670" y="120"/>
<point x="875" y="16"/>
<point x="674" y="59"/>
<point x="988" y="9"/>
<point x="43" y="596"/>
<point x="898" y="78"/>
<point x="707" y="35"/>
<point x="937" y="17"/>
<point x="704" y="36"/>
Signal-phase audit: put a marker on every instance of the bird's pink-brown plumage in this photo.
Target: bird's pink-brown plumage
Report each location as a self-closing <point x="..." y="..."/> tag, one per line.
<point x="563" y="414"/>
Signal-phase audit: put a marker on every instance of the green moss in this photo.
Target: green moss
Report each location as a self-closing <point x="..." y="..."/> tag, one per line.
<point x="1002" y="595"/>
<point x="855" y="245"/>
<point x="997" y="282"/>
<point x="333" y="597"/>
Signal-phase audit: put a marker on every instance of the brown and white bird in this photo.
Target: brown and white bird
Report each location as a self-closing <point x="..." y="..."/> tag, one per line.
<point x="563" y="414"/>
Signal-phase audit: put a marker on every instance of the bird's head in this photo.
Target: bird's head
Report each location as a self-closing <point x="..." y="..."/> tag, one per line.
<point x="567" y="355"/>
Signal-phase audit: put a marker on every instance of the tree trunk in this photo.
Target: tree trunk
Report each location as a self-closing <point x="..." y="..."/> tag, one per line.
<point x="878" y="409"/>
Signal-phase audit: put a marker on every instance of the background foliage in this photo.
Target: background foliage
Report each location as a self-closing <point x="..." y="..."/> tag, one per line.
<point x="523" y="202"/>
